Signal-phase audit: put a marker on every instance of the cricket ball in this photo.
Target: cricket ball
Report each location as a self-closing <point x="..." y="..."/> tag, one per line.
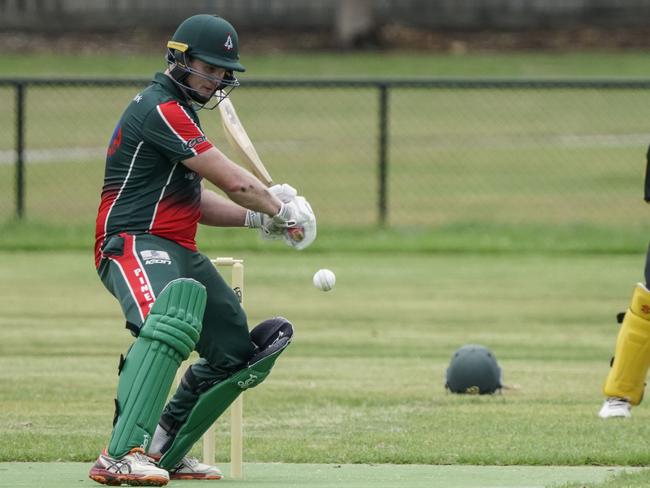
<point x="324" y="279"/>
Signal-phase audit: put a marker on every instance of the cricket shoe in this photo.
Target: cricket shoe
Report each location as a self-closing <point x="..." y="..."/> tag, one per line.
<point x="133" y="469"/>
<point x="191" y="469"/>
<point x="615" y="407"/>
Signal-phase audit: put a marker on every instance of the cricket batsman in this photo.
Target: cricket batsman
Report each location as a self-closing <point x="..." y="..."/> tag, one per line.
<point x="625" y="383"/>
<point x="173" y="299"/>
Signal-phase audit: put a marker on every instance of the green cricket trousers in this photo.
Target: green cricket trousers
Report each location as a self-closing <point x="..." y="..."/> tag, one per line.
<point x="136" y="267"/>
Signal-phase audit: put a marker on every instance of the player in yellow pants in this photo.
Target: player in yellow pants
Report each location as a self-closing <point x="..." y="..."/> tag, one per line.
<point x="625" y="383"/>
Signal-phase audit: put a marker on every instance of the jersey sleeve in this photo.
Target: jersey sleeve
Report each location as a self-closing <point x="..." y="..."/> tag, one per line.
<point x="171" y="130"/>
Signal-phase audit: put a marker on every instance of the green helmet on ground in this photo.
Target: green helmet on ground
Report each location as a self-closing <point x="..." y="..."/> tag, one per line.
<point x="473" y="369"/>
<point x="210" y="39"/>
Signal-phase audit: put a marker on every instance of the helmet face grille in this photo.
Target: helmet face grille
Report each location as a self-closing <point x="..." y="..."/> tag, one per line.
<point x="473" y="370"/>
<point x="179" y="70"/>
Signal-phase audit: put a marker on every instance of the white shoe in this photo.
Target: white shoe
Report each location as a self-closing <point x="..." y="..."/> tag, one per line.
<point x="191" y="469"/>
<point x="133" y="469"/>
<point x="615" y="407"/>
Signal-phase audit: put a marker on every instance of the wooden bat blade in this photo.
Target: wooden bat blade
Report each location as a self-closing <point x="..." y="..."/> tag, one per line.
<point x="241" y="143"/>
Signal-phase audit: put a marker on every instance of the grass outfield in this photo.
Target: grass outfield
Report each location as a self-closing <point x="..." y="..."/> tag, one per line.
<point x="534" y="240"/>
<point x="457" y="157"/>
<point x="505" y="159"/>
<point x="472" y="237"/>
<point x="628" y="63"/>
<point x="363" y="382"/>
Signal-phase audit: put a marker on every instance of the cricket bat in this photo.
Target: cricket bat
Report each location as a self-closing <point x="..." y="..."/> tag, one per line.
<point x="241" y="143"/>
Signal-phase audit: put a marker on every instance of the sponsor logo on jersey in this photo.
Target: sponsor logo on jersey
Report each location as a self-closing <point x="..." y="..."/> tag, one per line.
<point x="194" y="142"/>
<point x="155" y="257"/>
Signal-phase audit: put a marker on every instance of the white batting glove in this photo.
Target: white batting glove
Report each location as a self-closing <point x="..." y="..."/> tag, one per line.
<point x="295" y="223"/>
<point x="303" y="232"/>
<point x="286" y="216"/>
<point x="284" y="192"/>
<point x="262" y="222"/>
<point x="257" y="220"/>
<point x="273" y="227"/>
<point x="254" y="220"/>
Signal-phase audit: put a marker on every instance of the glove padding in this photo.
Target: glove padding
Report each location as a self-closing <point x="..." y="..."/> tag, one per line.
<point x="302" y="231"/>
<point x="295" y="222"/>
<point x="259" y="220"/>
<point x="272" y="228"/>
<point x="284" y="192"/>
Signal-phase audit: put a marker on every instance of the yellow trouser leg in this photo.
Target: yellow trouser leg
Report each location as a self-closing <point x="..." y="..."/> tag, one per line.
<point x="626" y="379"/>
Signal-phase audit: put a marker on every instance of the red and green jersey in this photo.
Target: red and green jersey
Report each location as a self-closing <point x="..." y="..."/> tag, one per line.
<point x="146" y="188"/>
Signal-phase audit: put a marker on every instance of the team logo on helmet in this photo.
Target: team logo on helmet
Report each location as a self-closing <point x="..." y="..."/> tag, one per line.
<point x="229" y="44"/>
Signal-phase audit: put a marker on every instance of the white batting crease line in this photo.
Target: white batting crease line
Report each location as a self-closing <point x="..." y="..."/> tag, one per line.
<point x="162" y="192"/>
<point x="126" y="279"/>
<point x="172" y="128"/>
<point x="144" y="272"/>
<point x="128" y="174"/>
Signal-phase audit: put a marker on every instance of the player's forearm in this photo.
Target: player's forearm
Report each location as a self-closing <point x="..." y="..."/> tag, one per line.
<point x="254" y="197"/>
<point x="220" y="212"/>
<point x="240" y="185"/>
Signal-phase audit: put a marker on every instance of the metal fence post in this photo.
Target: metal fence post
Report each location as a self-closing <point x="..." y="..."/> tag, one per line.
<point x="20" y="149"/>
<point x="383" y="153"/>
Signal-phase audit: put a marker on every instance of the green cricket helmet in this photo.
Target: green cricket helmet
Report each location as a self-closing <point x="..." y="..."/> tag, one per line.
<point x="214" y="41"/>
<point x="473" y="369"/>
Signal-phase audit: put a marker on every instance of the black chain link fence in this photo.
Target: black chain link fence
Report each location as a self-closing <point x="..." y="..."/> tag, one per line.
<point x="364" y="152"/>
